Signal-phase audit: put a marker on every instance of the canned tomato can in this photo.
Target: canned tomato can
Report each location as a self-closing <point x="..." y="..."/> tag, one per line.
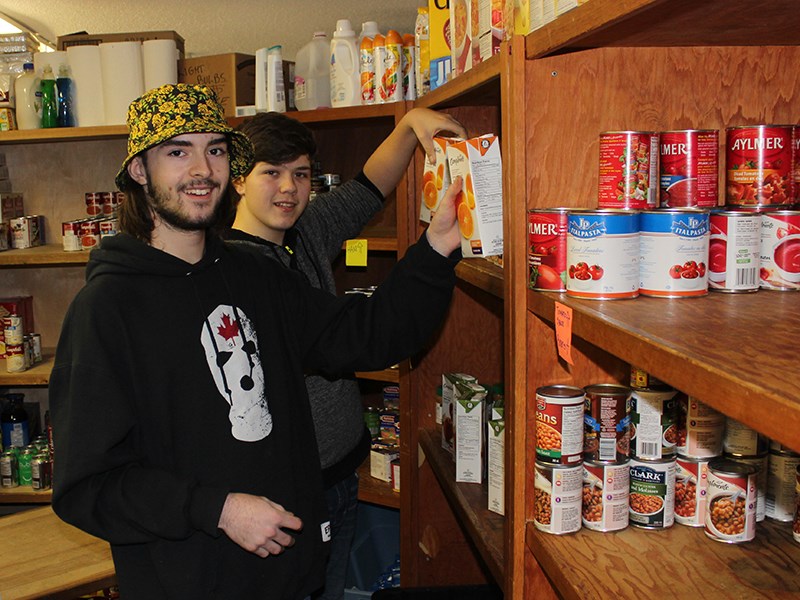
<point x="642" y="379"/>
<point x="557" y="498"/>
<point x="606" y="422"/>
<point x="731" y="509"/>
<point x="781" y="470"/>
<point x="701" y="429"/>
<point x="606" y="487"/>
<point x="796" y="162"/>
<point x="628" y="170"/>
<point x="652" y="493"/>
<point x="734" y="250"/>
<point x="94" y="203"/>
<point x="741" y="440"/>
<point x="90" y="234"/>
<point x="603" y="254"/>
<point x="9" y="469"/>
<point x="758" y="165"/>
<point x="689" y="162"/>
<point x="654" y="434"/>
<point x="5" y="235"/>
<point x="559" y="424"/>
<point x="780" y="250"/>
<point x="691" y="489"/>
<point x="547" y="249"/>
<point x="761" y="464"/>
<point x="674" y="252"/>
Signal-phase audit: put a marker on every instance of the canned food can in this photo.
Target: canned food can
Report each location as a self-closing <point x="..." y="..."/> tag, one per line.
<point x="731" y="510"/>
<point x="689" y="162"/>
<point x="41" y="477"/>
<point x="36" y="343"/>
<point x="761" y="464"/>
<point x="628" y="170"/>
<point x="5" y="236"/>
<point x="606" y="487"/>
<point x="758" y="165"/>
<point x="674" y="251"/>
<point x="796" y="522"/>
<point x="642" y="379"/>
<point x="780" y="499"/>
<point x="547" y="249"/>
<point x="559" y="424"/>
<point x="701" y="429"/>
<point x="603" y="254"/>
<point x="557" y="498"/>
<point x="691" y="489"/>
<point x="21" y="234"/>
<point x="12" y="329"/>
<point x="9" y="469"/>
<point x="109" y="227"/>
<point x="606" y="422"/>
<point x="734" y="251"/>
<point x="652" y="493"/>
<point x="796" y="162"/>
<point x="654" y="434"/>
<point x="90" y="234"/>
<point x="71" y="236"/>
<point x="741" y="440"/>
<point x="15" y="358"/>
<point x="24" y="458"/>
<point x="94" y="203"/>
<point x="110" y="202"/>
<point x="780" y="250"/>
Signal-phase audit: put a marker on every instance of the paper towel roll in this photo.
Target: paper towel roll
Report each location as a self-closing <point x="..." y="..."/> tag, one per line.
<point x="261" y="79"/>
<point x="54" y="59"/>
<point x="160" y="63"/>
<point x="87" y="85"/>
<point x="123" y="78"/>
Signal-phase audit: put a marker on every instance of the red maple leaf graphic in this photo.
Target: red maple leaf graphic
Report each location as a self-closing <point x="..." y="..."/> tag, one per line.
<point x="229" y="329"/>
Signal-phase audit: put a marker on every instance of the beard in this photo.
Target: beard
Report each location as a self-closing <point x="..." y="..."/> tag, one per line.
<point x="170" y="210"/>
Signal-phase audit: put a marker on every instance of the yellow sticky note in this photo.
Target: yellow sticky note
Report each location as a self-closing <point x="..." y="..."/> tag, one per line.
<point x="356" y="253"/>
<point x="563" y="320"/>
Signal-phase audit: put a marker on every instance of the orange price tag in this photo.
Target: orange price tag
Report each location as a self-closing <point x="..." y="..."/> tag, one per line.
<point x="563" y="320"/>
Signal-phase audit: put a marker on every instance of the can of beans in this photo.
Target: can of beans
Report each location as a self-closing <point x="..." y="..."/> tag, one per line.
<point x="701" y="429"/>
<point x="642" y="379"/>
<point x="603" y="254"/>
<point x="606" y="422"/>
<point x="796" y="522"/>
<point x="606" y="487"/>
<point x="652" y="495"/>
<point x="689" y="162"/>
<point x="691" y="489"/>
<point x="731" y="511"/>
<point x="559" y="424"/>
<point x="654" y="434"/>
<point x="781" y="470"/>
<point x="758" y="165"/>
<point x="674" y="251"/>
<point x="780" y="250"/>
<point x="557" y="498"/>
<point x="741" y="440"/>
<point x="761" y="464"/>
<point x="628" y="170"/>
<point x="547" y="249"/>
<point x="734" y="250"/>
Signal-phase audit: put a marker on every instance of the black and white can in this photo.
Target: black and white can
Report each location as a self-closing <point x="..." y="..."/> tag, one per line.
<point x="781" y="473"/>
<point x="741" y="440"/>
<point x="654" y="433"/>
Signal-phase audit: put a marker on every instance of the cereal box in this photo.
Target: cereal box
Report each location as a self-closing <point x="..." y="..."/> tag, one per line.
<point x="495" y="23"/>
<point x="463" y="14"/>
<point x="470" y="409"/>
<point x="441" y="57"/>
<point x="435" y="180"/>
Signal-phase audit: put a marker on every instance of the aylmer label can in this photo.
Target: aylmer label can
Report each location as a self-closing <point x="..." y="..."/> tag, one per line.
<point x="758" y="165"/>
<point x="628" y="170"/>
<point x="689" y="168"/>
<point x="691" y="489"/>
<point x="559" y="424"/>
<point x="731" y="514"/>
<point x="606" y="487"/>
<point x="547" y="249"/>
<point x="652" y="495"/>
<point x="654" y="432"/>
<point x="734" y="251"/>
<point x="780" y="250"/>
<point x="606" y="422"/>
<point x="557" y="498"/>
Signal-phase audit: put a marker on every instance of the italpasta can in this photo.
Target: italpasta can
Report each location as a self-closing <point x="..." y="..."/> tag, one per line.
<point x="606" y="487"/>
<point x="603" y="254"/>
<point x="701" y="429"/>
<point x="652" y="493"/>
<point x="559" y="424"/>
<point x="654" y="434"/>
<point x="547" y="249"/>
<point x="628" y="170"/>
<point x="758" y="165"/>
<point x="734" y="250"/>
<point x="606" y="422"/>
<point x="731" y="510"/>
<point x="691" y="489"/>
<point x="557" y="498"/>
<point x="761" y="464"/>
<point x="781" y="470"/>
<point x="674" y="252"/>
<point x="780" y="250"/>
<point x="741" y="440"/>
<point x="689" y="168"/>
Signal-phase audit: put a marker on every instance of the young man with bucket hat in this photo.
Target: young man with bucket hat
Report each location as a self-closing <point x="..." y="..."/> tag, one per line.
<point x="182" y="426"/>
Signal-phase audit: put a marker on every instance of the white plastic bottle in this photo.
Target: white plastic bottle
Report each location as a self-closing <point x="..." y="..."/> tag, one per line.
<point x="27" y="91"/>
<point x="345" y="76"/>
<point x="276" y="92"/>
<point x="368" y="29"/>
<point x="312" y="74"/>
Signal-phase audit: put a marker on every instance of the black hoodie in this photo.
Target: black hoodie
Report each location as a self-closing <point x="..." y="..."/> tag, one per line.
<point x="175" y="384"/>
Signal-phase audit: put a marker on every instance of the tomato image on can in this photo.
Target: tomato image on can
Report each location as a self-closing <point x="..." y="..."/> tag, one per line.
<point x="758" y="165"/>
<point x="734" y="248"/>
<point x="628" y="169"/>
<point x="547" y="249"/>
<point x="688" y="166"/>
<point x="780" y="250"/>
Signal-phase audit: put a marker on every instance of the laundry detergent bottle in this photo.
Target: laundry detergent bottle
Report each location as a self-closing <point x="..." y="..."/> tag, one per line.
<point x="345" y="75"/>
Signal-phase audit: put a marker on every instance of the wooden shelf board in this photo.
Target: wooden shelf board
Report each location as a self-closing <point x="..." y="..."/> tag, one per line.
<point x="63" y="134"/>
<point x="387" y="375"/>
<point x="736" y="352"/>
<point x="483" y="274"/>
<point x="25" y="495"/>
<point x="468" y="500"/>
<point x="479" y="86"/>
<point x="379" y="239"/>
<point x="679" y="562"/>
<point x="37" y="375"/>
<point x="50" y="255"/>
<point x="376" y="491"/>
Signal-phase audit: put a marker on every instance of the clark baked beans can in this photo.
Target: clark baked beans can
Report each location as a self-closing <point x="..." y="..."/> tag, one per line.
<point x="628" y="170"/>
<point x="674" y="252"/>
<point x="691" y="489"/>
<point x="606" y="422"/>
<point x="758" y="165"/>
<point x="782" y="467"/>
<point x="780" y="250"/>
<point x="689" y="168"/>
<point x="654" y="434"/>
<point x="547" y="249"/>
<point x="652" y="495"/>
<point x="557" y="497"/>
<point x="701" y="429"/>
<point x="734" y="251"/>
<point x="603" y="254"/>
<point x="731" y="510"/>
<point x="559" y="424"/>
<point x="606" y="487"/>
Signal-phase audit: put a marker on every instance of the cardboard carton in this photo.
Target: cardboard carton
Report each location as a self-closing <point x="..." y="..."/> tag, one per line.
<point x="448" y="408"/>
<point x="495" y="451"/>
<point x="470" y="404"/>
<point x="232" y="76"/>
<point x="435" y="180"/>
<point x="441" y="57"/>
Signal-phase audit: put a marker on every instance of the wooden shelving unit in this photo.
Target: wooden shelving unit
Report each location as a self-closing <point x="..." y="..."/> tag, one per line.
<point x="51" y="255"/>
<point x="36" y="375"/>
<point x="25" y="495"/>
<point x="376" y="491"/>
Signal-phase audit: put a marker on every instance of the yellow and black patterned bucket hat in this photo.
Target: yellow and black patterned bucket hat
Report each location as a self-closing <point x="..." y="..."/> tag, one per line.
<point x="175" y="109"/>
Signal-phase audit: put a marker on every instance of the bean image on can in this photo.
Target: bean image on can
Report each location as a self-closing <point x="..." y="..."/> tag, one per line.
<point x="628" y="170"/>
<point x="758" y="165"/>
<point x="654" y="432"/>
<point x="652" y="493"/>
<point x="691" y="489"/>
<point x="734" y="250"/>
<point x="547" y="249"/>
<point x="688" y="165"/>
<point x="559" y="424"/>
<point x="557" y="498"/>
<point x="731" y="509"/>
<point x="780" y="250"/>
<point x="606" y="487"/>
<point x="606" y="422"/>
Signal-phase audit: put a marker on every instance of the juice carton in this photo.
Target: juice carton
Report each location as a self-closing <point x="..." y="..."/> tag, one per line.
<point x="435" y="179"/>
<point x="448" y="408"/>
<point x="480" y="203"/>
<point x="495" y="457"/>
<point x="469" y="399"/>
<point x="441" y="58"/>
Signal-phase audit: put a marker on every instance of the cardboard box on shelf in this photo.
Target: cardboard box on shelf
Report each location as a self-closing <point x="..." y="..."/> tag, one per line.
<point x="95" y="39"/>
<point x="441" y="56"/>
<point x="380" y="460"/>
<point x="470" y="411"/>
<point x="232" y="76"/>
<point x="495" y="459"/>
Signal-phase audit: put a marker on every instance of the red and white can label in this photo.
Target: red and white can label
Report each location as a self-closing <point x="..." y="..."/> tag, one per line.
<point x="691" y="490"/>
<point x="71" y="236"/>
<point x="605" y="496"/>
<point x="780" y="250"/>
<point x="547" y="249"/>
<point x="628" y="169"/>
<point x="758" y="165"/>
<point x="796" y="163"/>
<point x="701" y="429"/>
<point x="734" y="249"/>
<point x="689" y="168"/>
<point x="731" y="509"/>
<point x="559" y="424"/>
<point x="557" y="498"/>
<point x="90" y="234"/>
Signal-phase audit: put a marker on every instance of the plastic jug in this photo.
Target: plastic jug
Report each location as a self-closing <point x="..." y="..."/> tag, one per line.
<point x="312" y="74"/>
<point x="345" y="76"/>
<point x="368" y="29"/>
<point x="27" y="91"/>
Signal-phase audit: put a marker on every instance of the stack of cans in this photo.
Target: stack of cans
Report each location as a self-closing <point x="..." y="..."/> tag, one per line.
<point x="29" y="466"/>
